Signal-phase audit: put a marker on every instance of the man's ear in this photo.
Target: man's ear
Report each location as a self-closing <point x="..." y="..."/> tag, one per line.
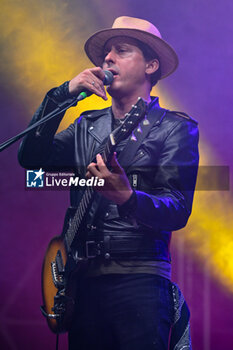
<point x="152" y="66"/>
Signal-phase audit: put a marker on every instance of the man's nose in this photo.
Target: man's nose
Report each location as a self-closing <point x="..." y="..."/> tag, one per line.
<point x="110" y="57"/>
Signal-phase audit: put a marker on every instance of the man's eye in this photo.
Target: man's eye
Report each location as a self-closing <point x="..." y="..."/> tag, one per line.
<point x="122" y="49"/>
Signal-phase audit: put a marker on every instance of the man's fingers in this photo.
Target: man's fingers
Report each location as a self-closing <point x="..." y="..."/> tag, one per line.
<point x="100" y="160"/>
<point x="92" y="170"/>
<point x="102" y="166"/>
<point x="91" y="80"/>
<point x="97" y="85"/>
<point x="115" y="165"/>
<point x="88" y="174"/>
<point x="99" y="168"/>
<point x="98" y="72"/>
<point x="97" y="88"/>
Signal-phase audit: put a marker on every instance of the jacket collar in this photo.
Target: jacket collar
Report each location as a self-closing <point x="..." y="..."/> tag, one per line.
<point x="101" y="123"/>
<point x="101" y="120"/>
<point x="152" y="111"/>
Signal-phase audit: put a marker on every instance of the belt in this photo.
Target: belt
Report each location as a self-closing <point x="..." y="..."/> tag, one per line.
<point x="132" y="249"/>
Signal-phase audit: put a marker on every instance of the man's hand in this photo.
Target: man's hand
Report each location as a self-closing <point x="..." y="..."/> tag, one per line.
<point x="116" y="184"/>
<point x="91" y="80"/>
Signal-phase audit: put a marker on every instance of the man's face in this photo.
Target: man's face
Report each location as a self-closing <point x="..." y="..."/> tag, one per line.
<point x="126" y="61"/>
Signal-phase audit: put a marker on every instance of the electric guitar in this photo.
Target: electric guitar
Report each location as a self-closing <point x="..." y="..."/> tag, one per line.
<point x="61" y="266"/>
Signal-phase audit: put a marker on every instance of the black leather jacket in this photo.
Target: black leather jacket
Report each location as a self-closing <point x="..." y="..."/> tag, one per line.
<point x="165" y="167"/>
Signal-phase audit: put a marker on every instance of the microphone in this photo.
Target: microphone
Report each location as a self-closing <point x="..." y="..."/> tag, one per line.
<point x="108" y="79"/>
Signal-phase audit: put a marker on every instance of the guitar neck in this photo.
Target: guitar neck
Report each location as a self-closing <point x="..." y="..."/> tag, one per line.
<point x="77" y="220"/>
<point x="87" y="198"/>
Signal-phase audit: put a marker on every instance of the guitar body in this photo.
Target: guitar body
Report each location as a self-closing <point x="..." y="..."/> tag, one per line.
<point x="56" y="285"/>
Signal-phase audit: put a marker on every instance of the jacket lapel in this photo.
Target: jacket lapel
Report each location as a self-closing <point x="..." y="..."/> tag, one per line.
<point x="100" y="124"/>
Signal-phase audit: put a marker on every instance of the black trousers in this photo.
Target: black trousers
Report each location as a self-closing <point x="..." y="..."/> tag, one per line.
<point x="122" y="312"/>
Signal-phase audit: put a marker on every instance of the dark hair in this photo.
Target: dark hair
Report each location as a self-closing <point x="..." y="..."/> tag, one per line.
<point x="149" y="55"/>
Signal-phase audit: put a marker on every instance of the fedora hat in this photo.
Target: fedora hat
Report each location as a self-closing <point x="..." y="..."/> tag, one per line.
<point x="136" y="28"/>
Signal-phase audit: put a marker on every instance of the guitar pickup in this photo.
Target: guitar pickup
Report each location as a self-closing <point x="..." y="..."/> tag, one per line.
<point x="59" y="263"/>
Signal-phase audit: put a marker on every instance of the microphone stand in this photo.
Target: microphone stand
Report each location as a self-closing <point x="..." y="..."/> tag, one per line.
<point x="61" y="108"/>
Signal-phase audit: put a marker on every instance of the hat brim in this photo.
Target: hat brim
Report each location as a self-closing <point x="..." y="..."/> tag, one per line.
<point x="168" y="58"/>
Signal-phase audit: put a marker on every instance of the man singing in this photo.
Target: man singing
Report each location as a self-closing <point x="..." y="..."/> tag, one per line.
<point x="125" y="299"/>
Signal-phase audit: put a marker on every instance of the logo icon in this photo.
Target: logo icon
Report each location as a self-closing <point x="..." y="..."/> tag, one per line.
<point x="35" y="178"/>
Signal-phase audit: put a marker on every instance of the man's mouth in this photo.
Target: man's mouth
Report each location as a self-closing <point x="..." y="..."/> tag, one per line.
<point x="113" y="71"/>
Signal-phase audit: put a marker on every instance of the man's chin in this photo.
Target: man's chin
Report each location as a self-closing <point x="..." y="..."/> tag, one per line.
<point x="109" y="90"/>
<point x="114" y="91"/>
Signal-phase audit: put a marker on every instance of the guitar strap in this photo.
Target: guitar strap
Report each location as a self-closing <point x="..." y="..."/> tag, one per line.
<point x="154" y="117"/>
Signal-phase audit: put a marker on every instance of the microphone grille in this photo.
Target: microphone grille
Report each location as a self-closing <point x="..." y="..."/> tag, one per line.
<point x="108" y="79"/>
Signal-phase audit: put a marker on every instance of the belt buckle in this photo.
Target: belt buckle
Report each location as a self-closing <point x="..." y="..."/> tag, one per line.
<point x="89" y="254"/>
